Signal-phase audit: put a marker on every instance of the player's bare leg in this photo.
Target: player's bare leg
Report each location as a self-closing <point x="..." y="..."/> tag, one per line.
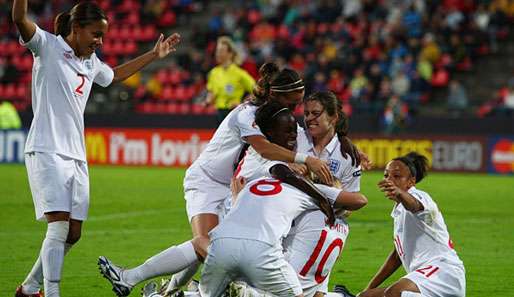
<point x="402" y="288"/>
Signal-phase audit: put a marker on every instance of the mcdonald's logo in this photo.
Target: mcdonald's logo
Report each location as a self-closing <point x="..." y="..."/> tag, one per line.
<point x="96" y="148"/>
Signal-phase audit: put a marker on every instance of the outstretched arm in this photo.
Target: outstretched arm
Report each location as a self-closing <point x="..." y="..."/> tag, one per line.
<point x="161" y="49"/>
<point x="273" y="151"/>
<point x="285" y="174"/>
<point x="395" y="193"/>
<point x="26" y="27"/>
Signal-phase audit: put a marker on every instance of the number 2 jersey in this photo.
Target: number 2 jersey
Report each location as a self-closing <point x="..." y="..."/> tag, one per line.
<point x="422" y="237"/>
<point x="61" y="83"/>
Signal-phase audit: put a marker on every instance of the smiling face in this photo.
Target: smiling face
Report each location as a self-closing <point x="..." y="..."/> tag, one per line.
<point x="223" y="53"/>
<point x="317" y="121"/>
<point x="399" y="174"/>
<point x="89" y="37"/>
<point x="284" y="131"/>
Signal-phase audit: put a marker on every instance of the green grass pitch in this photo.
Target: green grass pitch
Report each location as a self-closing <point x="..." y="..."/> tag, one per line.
<point x="137" y="212"/>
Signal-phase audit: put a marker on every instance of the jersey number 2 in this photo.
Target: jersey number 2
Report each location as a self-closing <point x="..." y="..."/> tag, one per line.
<point x="78" y="90"/>
<point x="317" y="250"/>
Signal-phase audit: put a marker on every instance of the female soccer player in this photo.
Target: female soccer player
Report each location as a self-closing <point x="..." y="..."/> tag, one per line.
<point x="65" y="67"/>
<point x="227" y="83"/>
<point x="421" y="240"/>
<point x="207" y="181"/>
<point x="310" y="239"/>
<point x="277" y="276"/>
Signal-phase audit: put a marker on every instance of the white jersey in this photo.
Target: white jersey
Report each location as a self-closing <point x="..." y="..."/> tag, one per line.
<point x="61" y="83"/>
<point x="421" y="237"/>
<point x="265" y="209"/>
<point x="221" y="154"/>
<point x="340" y="167"/>
<point x="312" y="248"/>
<point x="254" y="166"/>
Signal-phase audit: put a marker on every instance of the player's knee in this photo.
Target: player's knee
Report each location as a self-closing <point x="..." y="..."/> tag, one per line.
<point x="392" y="291"/>
<point x="73" y="236"/>
<point x="201" y="243"/>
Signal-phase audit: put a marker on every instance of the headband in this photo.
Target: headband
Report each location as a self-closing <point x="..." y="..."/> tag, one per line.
<point x="295" y="86"/>
<point x="281" y="110"/>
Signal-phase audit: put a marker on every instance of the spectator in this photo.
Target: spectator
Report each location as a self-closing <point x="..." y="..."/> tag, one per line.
<point x="457" y="101"/>
<point x="508" y="98"/>
<point x="395" y="115"/>
<point x="227" y="83"/>
<point x="9" y="118"/>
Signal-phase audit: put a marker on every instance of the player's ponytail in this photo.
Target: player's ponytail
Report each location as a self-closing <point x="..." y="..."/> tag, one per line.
<point x="83" y="14"/>
<point x="261" y="91"/>
<point x="417" y="164"/>
<point x="62" y="25"/>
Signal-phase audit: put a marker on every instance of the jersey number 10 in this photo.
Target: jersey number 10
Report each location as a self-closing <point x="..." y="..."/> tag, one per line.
<point x="315" y="254"/>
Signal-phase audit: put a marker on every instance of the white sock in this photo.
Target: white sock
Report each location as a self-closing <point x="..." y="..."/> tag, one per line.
<point x="52" y="256"/>
<point x="411" y="294"/>
<point x="182" y="278"/>
<point x="32" y="284"/>
<point x="169" y="261"/>
<point x="333" y="294"/>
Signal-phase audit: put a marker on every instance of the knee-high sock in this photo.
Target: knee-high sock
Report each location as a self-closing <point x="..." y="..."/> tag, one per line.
<point x="52" y="256"/>
<point x="34" y="280"/>
<point x="411" y="294"/>
<point x="181" y="278"/>
<point x="169" y="261"/>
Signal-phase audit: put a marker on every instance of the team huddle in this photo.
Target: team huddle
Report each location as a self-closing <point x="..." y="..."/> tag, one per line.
<point x="268" y="201"/>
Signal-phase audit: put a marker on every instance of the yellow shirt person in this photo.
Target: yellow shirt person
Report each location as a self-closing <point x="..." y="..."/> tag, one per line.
<point x="228" y="85"/>
<point x="227" y="82"/>
<point x="9" y="118"/>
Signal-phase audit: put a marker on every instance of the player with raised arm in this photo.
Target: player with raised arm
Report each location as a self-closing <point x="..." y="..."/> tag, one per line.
<point x="421" y="240"/>
<point x="65" y="68"/>
<point x="207" y="181"/>
<point x="312" y="247"/>
<point x="269" y="212"/>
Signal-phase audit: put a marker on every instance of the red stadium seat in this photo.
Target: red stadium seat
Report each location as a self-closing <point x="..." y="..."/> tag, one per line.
<point x="130" y="48"/>
<point x="172" y="108"/>
<point x="168" y="19"/>
<point x="149" y="33"/>
<point x="440" y="78"/>
<point x="21" y="91"/>
<point x="167" y="93"/>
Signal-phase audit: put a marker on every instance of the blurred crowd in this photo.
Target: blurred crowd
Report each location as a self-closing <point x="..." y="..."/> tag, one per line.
<point x="379" y="56"/>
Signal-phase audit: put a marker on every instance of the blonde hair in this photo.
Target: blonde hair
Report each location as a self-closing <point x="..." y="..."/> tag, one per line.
<point x="236" y="58"/>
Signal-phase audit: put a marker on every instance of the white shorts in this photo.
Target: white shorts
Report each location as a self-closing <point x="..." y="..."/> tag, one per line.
<point x="203" y="194"/>
<point x="58" y="183"/>
<point x="440" y="279"/>
<point x="259" y="264"/>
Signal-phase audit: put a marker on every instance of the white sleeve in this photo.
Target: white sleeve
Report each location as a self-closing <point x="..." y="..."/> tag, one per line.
<point x="245" y="121"/>
<point x="330" y="192"/>
<point x="104" y="74"/>
<point x="429" y="207"/>
<point x="39" y="41"/>
<point x="351" y="179"/>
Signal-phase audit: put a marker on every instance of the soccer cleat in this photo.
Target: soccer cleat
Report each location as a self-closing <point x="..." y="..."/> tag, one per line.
<point x="341" y="289"/>
<point x="113" y="274"/>
<point x="19" y="293"/>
